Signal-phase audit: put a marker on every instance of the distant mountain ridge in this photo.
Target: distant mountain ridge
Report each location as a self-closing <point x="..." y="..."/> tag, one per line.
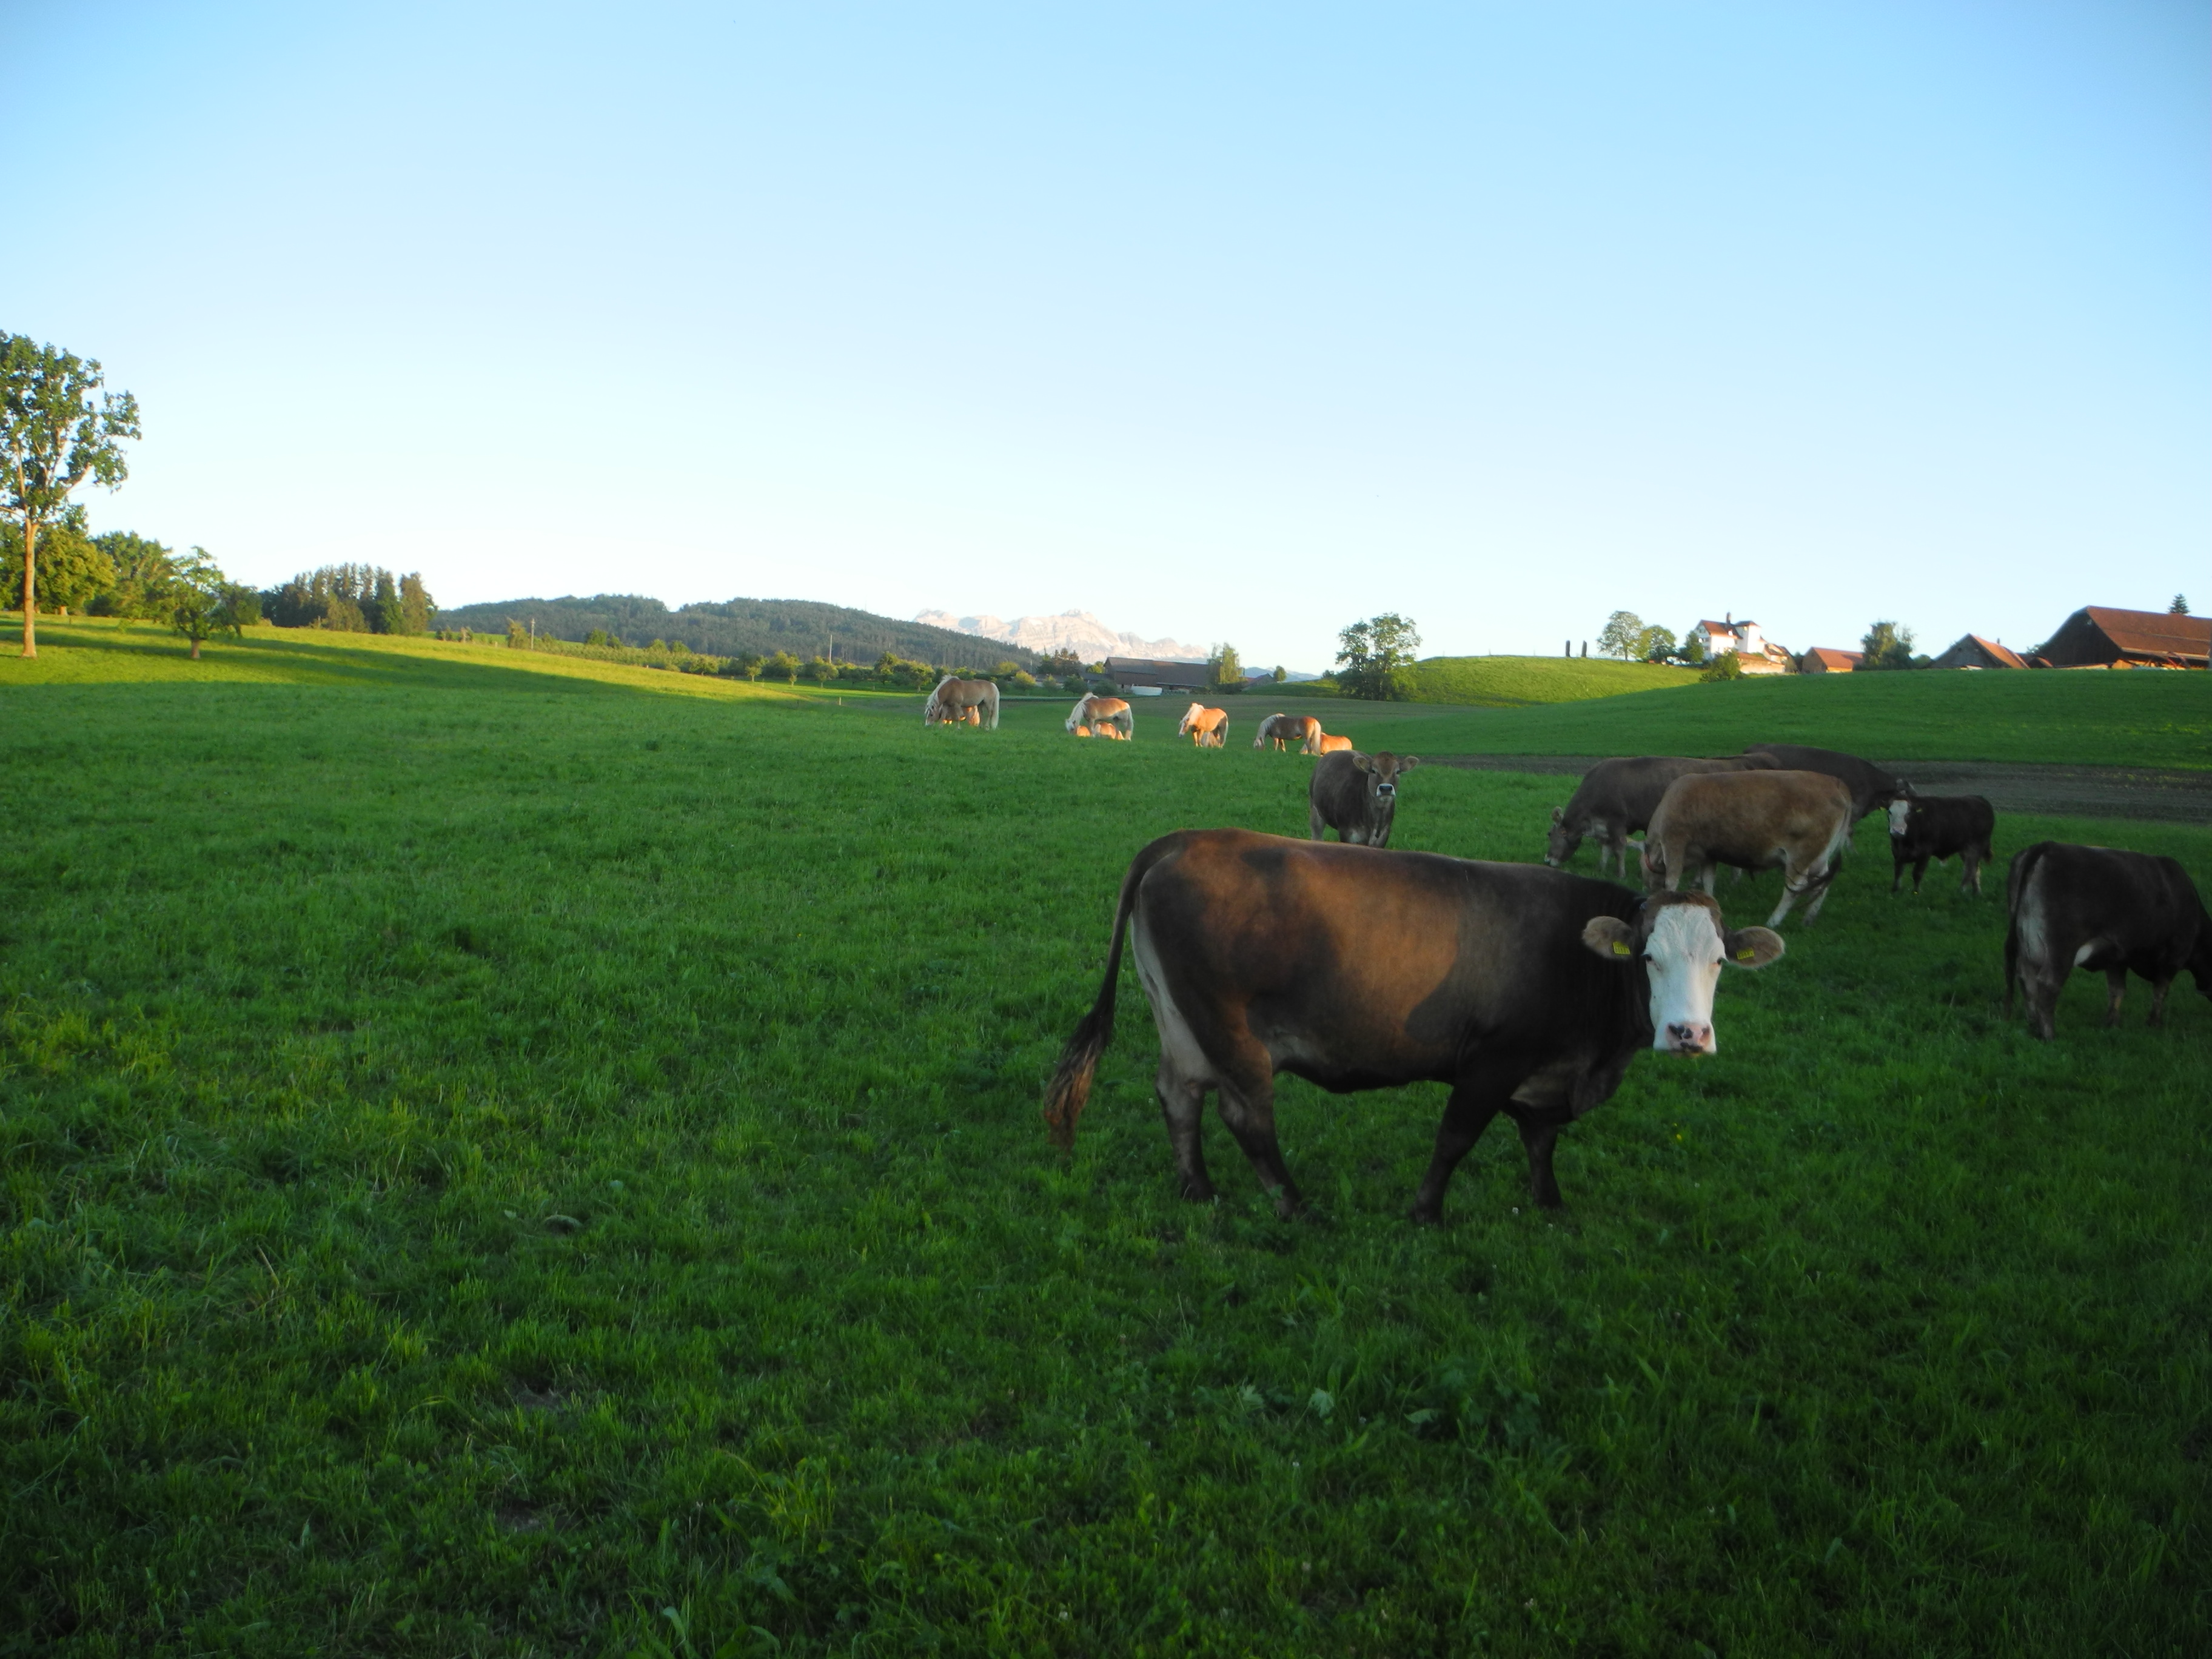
<point x="1080" y="631"/>
<point x="805" y="627"/>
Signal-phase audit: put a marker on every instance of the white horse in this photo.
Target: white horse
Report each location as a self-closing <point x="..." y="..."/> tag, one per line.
<point x="955" y="700"/>
<point x="1106" y="717"/>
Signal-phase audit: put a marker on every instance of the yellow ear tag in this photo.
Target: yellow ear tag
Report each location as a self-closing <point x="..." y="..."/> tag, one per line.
<point x="1619" y="949"/>
<point x="1745" y="954"/>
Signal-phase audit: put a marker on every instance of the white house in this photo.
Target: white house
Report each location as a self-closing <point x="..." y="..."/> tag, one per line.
<point x="1758" y="653"/>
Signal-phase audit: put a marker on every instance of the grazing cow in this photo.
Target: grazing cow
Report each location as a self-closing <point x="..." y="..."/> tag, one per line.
<point x="1283" y="730"/>
<point x="1527" y="990"/>
<point x="1207" y="728"/>
<point x="1800" y="821"/>
<point x="2103" y="909"/>
<point x="1869" y="785"/>
<point x="1938" y="827"/>
<point x="1108" y="717"/>
<point x="1616" y="798"/>
<point x="955" y="700"/>
<point x="1356" y="795"/>
<point x="1322" y="744"/>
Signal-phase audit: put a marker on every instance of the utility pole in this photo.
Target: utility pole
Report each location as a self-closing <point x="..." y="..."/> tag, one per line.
<point x="533" y="632"/>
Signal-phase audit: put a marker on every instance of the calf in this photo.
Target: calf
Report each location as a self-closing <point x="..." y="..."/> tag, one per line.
<point x="1356" y="795"/>
<point x="1869" y="785"/>
<point x="1527" y="990"/>
<point x="1800" y="821"/>
<point x="2104" y="910"/>
<point x="1616" y="798"/>
<point x="1938" y="827"/>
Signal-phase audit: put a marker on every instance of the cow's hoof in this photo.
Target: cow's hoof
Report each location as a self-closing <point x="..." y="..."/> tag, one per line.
<point x="1199" y="1193"/>
<point x="1421" y="1218"/>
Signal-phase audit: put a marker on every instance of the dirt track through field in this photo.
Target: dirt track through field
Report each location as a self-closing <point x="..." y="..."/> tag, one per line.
<point x="2092" y="792"/>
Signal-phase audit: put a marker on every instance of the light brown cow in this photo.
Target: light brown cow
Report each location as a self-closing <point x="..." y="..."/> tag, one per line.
<point x="1323" y="744"/>
<point x="1283" y="730"/>
<point x="1102" y="716"/>
<point x="1207" y="728"/>
<point x="956" y="700"/>
<point x="1800" y="821"/>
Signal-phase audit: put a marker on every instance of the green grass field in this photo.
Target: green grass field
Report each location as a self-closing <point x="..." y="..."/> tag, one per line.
<point x="539" y="1158"/>
<point x="1518" y="682"/>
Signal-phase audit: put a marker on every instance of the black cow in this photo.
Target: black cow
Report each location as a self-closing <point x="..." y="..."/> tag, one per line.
<point x="1527" y="990"/>
<point x="2104" y="910"/>
<point x="1869" y="785"/>
<point x="1356" y="795"/>
<point x="1938" y="827"/>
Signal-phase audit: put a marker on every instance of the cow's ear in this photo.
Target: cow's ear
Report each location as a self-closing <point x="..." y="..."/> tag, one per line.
<point x="1611" y="938"/>
<point x="1409" y="762"/>
<point x="1751" y="947"/>
<point x="1361" y="761"/>
<point x="1558" y="812"/>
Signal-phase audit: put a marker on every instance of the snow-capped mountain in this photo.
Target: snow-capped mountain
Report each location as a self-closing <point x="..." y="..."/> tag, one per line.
<point x="1074" y="630"/>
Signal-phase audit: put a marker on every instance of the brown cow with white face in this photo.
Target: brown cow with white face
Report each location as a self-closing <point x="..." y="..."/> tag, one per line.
<point x="1527" y="990"/>
<point x="1800" y="821"/>
<point x="1356" y="795"/>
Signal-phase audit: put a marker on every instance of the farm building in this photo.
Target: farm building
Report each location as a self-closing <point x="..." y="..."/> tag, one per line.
<point x="1972" y="650"/>
<point x="2098" y="637"/>
<point x="1147" y="676"/>
<point x="1826" y="659"/>
<point x="1758" y="653"/>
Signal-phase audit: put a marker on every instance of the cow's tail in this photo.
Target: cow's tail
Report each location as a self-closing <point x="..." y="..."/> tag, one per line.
<point x="1069" y="1091"/>
<point x="2016" y="879"/>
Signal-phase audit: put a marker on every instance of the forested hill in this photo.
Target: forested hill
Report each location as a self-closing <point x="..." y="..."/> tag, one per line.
<point x="801" y="627"/>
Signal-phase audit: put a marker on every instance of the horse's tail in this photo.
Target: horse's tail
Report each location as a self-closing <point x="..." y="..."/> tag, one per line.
<point x="994" y="708"/>
<point x="1069" y="1091"/>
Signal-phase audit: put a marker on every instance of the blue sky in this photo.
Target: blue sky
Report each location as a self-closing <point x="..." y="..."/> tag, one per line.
<point x="1224" y="322"/>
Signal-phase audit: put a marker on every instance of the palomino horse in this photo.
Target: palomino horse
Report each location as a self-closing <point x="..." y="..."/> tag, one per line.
<point x="1102" y="716"/>
<point x="976" y="701"/>
<point x="1282" y="730"/>
<point x="1207" y="728"/>
<point x="1322" y="744"/>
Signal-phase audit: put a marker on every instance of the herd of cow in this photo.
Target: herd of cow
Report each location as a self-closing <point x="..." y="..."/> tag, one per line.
<point x="1526" y="988"/>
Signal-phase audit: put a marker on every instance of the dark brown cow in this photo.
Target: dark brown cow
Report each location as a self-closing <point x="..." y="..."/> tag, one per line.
<point x="1616" y="798"/>
<point x="1527" y="990"/>
<point x="1800" y="821"/>
<point x="1938" y="827"/>
<point x="1356" y="795"/>
<point x="1869" y="785"/>
<point x="2106" y="910"/>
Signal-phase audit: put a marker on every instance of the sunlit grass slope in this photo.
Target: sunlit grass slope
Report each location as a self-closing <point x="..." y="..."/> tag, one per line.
<point x="2094" y="717"/>
<point x="1515" y="682"/>
<point x="488" y="1170"/>
<point x="96" y="651"/>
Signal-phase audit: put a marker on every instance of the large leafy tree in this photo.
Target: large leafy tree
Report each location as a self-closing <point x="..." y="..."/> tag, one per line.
<point x="74" y="570"/>
<point x="1622" y="636"/>
<point x="1885" y="645"/>
<point x="204" y="603"/>
<point x="58" y="431"/>
<point x="1227" y="669"/>
<point x="144" y="573"/>
<point x="1375" y="658"/>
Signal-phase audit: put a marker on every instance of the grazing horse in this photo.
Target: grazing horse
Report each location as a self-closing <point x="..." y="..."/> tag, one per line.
<point x="1322" y="744"/>
<point x="1207" y="728"/>
<point x="1283" y="730"/>
<point x="1101" y="716"/>
<point x="976" y="701"/>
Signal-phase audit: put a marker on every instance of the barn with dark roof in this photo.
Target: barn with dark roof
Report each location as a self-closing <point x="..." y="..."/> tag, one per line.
<point x="2097" y="636"/>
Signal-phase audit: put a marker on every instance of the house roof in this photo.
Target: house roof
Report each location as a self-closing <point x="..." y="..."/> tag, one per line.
<point x="1830" y="658"/>
<point x="2152" y="633"/>
<point x="2009" y="657"/>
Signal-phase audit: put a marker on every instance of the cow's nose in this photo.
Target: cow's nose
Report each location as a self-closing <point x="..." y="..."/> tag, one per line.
<point x="1690" y="1036"/>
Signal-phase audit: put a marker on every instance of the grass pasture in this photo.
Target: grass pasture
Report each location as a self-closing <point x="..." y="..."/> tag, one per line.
<point x="1522" y="682"/>
<point x="500" y="1161"/>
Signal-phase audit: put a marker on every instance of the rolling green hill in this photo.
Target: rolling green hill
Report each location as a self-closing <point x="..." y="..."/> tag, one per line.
<point x="802" y="627"/>
<point x="1518" y="682"/>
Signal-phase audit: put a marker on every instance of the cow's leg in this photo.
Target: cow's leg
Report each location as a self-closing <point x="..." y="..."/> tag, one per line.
<point x="1478" y="1095"/>
<point x="2116" y="987"/>
<point x="1896" y="873"/>
<point x="1971" y="876"/>
<point x="1819" y="888"/>
<point x="1244" y="1092"/>
<point x="1182" y="1105"/>
<point x="1792" y="886"/>
<point x="1317" y="829"/>
<point x="1539" y="1135"/>
<point x="1712" y="877"/>
<point x="2159" y="987"/>
<point x="1919" y="873"/>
